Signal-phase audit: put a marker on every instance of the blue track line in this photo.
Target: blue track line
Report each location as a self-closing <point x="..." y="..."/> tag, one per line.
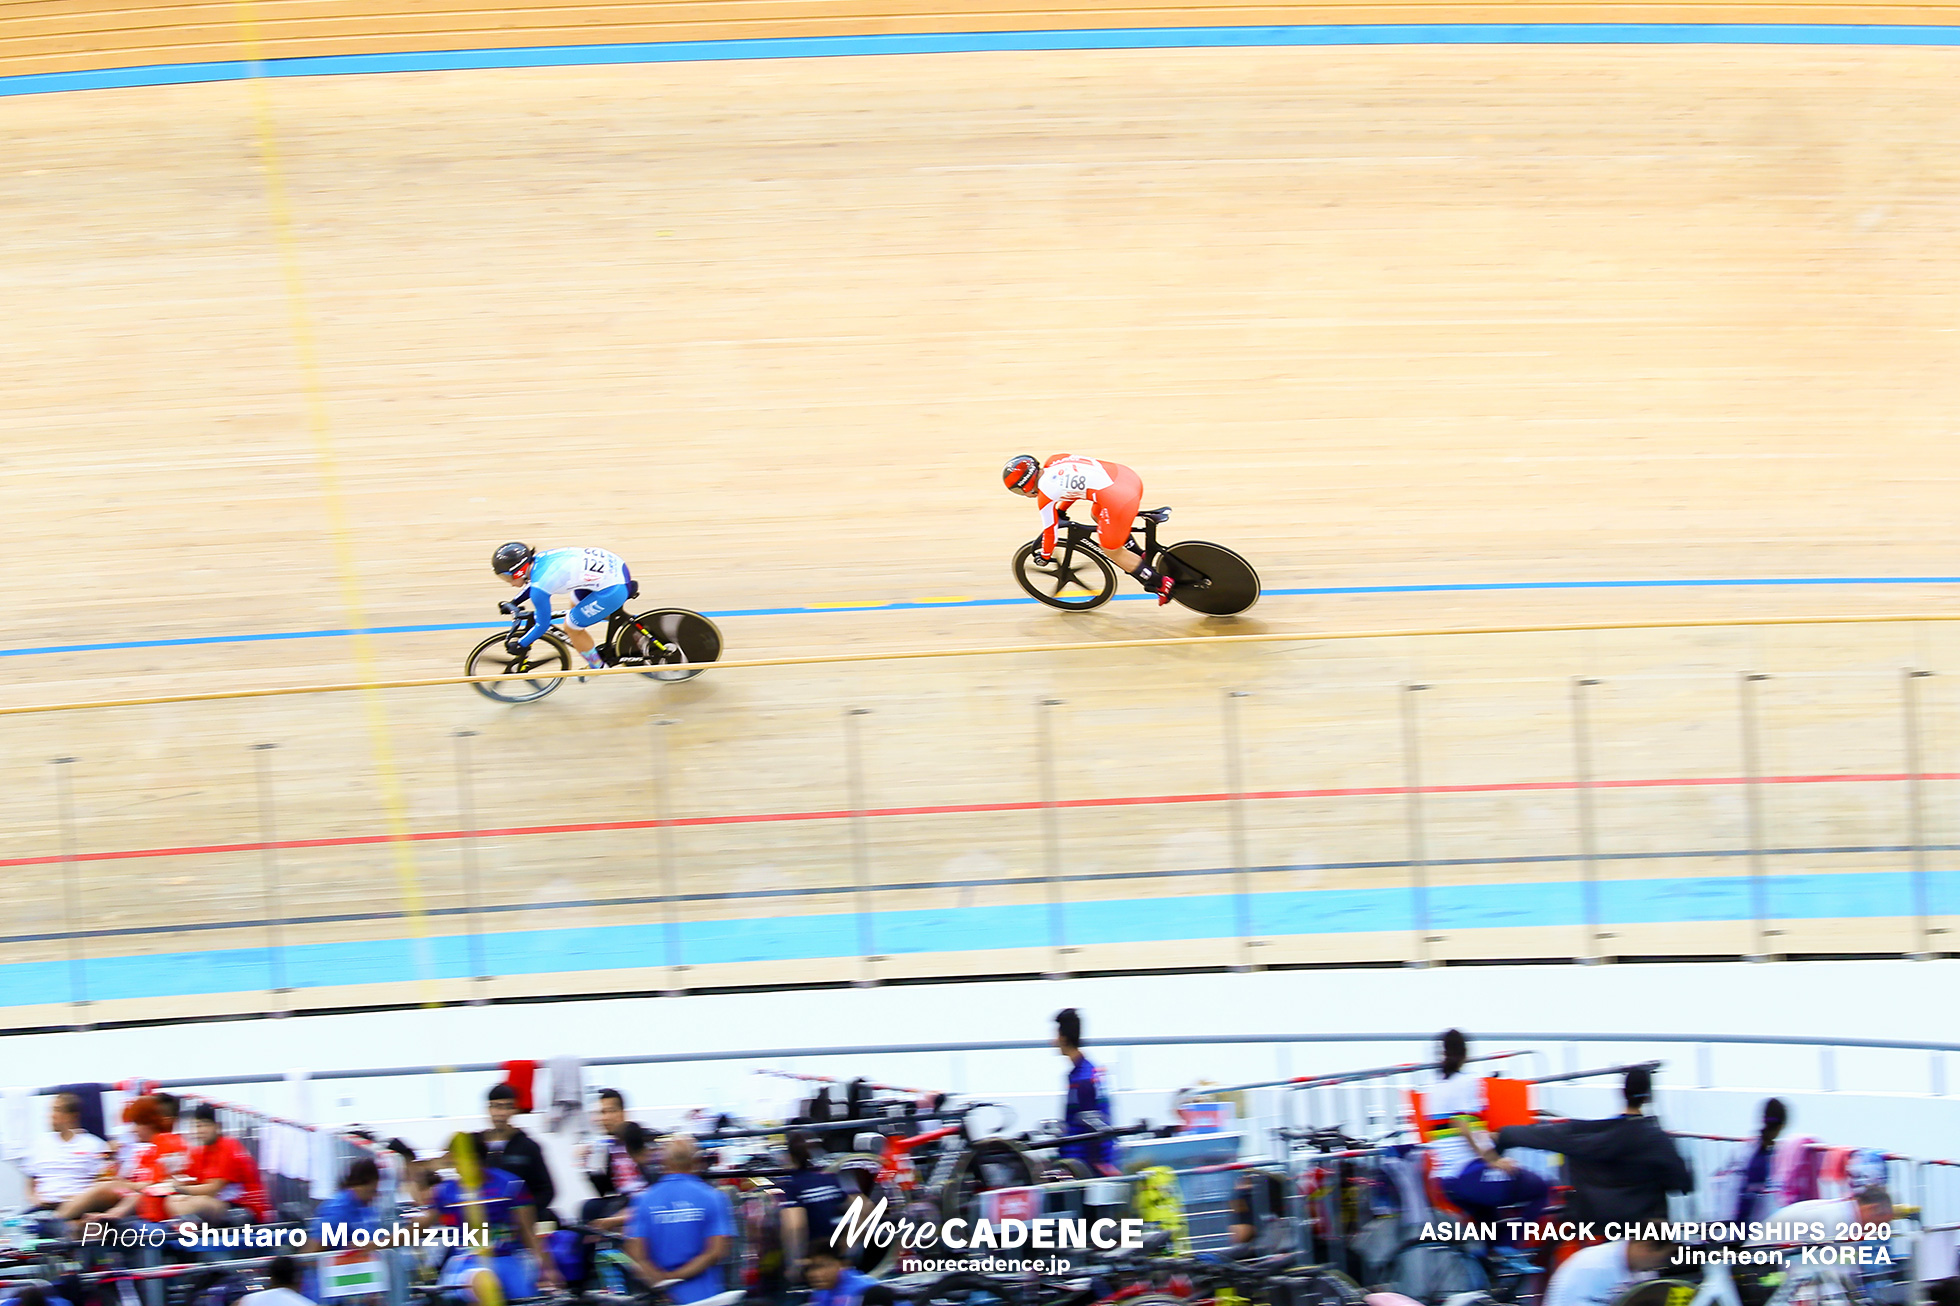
<point x="1455" y="908"/>
<point x="188" y="641"/>
<point x="1119" y="38"/>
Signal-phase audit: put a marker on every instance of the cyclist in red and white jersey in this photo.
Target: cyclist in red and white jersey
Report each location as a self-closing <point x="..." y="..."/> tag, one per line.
<point x="1114" y="494"/>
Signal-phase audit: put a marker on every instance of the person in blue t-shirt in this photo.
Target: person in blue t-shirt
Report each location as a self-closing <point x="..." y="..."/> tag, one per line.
<point x="497" y="1203"/>
<point x="352" y="1208"/>
<point x="681" y="1227"/>
<point x="1087" y="1107"/>
<point x="836" y="1282"/>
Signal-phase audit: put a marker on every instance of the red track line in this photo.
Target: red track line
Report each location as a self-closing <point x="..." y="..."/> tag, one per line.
<point x="954" y="809"/>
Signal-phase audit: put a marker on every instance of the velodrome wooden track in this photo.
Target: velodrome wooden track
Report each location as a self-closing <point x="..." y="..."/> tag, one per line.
<point x="1406" y="315"/>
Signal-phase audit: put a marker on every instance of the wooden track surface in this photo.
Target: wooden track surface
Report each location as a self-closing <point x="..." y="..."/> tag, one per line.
<point x="42" y="36"/>
<point x="1375" y="317"/>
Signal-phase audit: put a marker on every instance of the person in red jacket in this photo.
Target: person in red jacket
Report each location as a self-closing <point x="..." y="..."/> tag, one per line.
<point x="148" y="1174"/>
<point x="1114" y="494"/>
<point x="221" y="1176"/>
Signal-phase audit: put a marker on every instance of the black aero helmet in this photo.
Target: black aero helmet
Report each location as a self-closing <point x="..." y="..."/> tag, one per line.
<point x="509" y="557"/>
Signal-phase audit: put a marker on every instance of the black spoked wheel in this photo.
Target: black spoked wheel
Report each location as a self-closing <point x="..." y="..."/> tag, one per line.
<point x="988" y="1164"/>
<point x="668" y="635"/>
<point x="1316" y="1287"/>
<point x="1211" y="578"/>
<point x="491" y="658"/>
<point x="1078" y="579"/>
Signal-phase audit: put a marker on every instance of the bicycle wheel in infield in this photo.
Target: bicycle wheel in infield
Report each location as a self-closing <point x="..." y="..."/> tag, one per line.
<point x="1314" y="1286"/>
<point x="491" y="658"/>
<point x="1659" y="1292"/>
<point x="688" y="637"/>
<point x="1211" y="578"/>
<point x="987" y="1164"/>
<point x="1433" y="1271"/>
<point x="1077" y="580"/>
<point x="857" y="1175"/>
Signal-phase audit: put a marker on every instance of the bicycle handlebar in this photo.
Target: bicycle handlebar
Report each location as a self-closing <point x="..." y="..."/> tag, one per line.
<point x="1124" y="1131"/>
<point x="829" y="1126"/>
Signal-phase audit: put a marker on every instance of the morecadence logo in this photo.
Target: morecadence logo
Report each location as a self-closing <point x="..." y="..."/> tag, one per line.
<point x="865" y="1225"/>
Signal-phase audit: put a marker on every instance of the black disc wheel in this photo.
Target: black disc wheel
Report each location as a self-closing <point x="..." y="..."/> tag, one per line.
<point x="491" y="658"/>
<point x="1078" y="579"/>
<point x="1211" y="578"/>
<point x="667" y="635"/>
<point x="857" y="1174"/>
<point x="1431" y="1272"/>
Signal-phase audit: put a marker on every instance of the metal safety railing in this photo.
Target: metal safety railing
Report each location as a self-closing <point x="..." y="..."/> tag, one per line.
<point x="1426" y="864"/>
<point x="1821" y="1043"/>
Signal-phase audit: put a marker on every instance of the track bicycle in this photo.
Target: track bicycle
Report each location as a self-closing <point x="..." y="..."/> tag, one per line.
<point x="1209" y="578"/>
<point x="656" y="639"/>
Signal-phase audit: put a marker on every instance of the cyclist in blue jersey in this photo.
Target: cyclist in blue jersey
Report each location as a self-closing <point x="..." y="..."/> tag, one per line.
<point x="514" y="1265"/>
<point x="681" y="1228"/>
<point x="1087" y="1107"/>
<point x="598" y="581"/>
<point x="836" y="1282"/>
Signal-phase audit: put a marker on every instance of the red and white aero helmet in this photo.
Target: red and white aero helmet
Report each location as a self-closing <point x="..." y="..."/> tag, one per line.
<point x="1021" y="472"/>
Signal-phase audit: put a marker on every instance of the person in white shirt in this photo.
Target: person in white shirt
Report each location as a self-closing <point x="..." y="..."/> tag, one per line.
<point x="1461" y="1160"/>
<point x="1821" y="1221"/>
<point x="281" y="1274"/>
<point x="67" y="1160"/>
<point x="1594" y="1276"/>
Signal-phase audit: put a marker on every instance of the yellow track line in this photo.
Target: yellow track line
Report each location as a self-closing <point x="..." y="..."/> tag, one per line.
<point x="823" y="659"/>
<point x="299" y="312"/>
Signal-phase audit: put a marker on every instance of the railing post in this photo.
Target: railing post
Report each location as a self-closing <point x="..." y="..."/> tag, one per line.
<point x="1412" y="812"/>
<point x="1590" y="950"/>
<point x="1827" y="1069"/>
<point x="860" y="844"/>
<point x="71" y="898"/>
<point x="669" y="858"/>
<point x="1705" y="1064"/>
<point x="1916" y="814"/>
<point x="275" y="951"/>
<point x="472" y="908"/>
<point x="1241" y="857"/>
<point x="1051" y="833"/>
<point x="1753" y="807"/>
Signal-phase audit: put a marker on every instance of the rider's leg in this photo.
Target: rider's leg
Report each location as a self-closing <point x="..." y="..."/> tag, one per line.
<point x="486" y="1289"/>
<point x="1116" y="512"/>
<point x="588" y="613"/>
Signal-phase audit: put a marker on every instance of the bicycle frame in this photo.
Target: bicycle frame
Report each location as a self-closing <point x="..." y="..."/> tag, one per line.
<point x="1070" y="533"/>
<point x="895" y="1160"/>
<point x="522" y="620"/>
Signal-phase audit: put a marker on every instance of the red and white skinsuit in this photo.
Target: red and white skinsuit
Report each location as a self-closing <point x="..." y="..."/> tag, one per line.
<point x="1114" y="494"/>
